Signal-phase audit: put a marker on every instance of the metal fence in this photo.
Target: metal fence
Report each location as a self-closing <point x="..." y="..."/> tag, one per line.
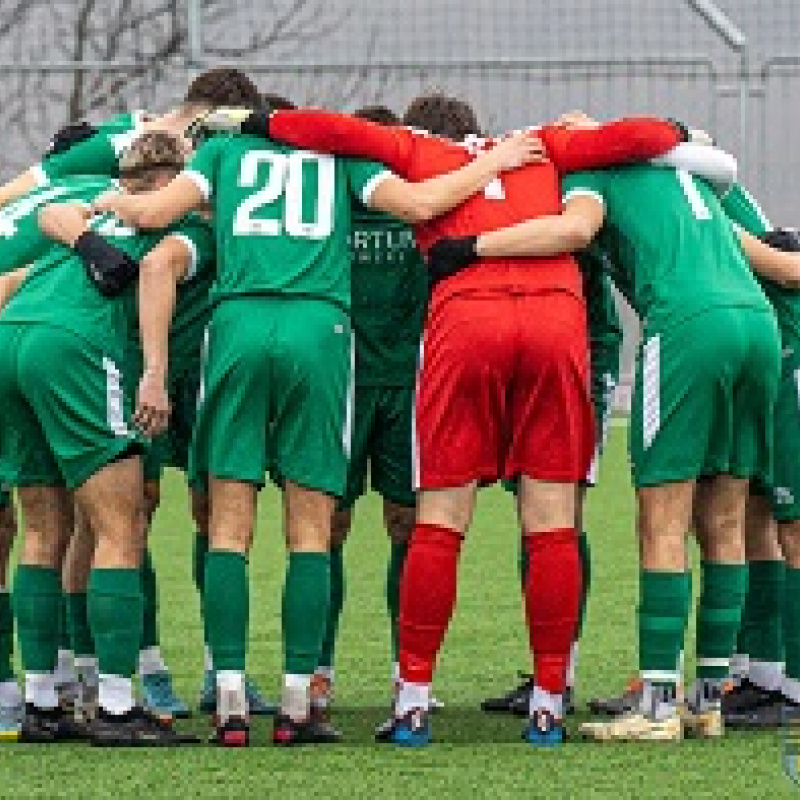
<point x="730" y="66"/>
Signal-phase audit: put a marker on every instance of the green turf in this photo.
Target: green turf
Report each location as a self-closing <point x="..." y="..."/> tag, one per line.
<point x="475" y="755"/>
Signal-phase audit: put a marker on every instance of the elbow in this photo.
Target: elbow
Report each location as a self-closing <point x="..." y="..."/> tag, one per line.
<point x="150" y="218"/>
<point x="579" y="235"/>
<point x="417" y="210"/>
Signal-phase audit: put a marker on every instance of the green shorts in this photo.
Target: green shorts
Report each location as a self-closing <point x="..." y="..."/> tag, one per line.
<point x="276" y="392"/>
<point x="171" y="449"/>
<point x="382" y="425"/>
<point x="784" y="490"/>
<point x="66" y="413"/>
<point x="703" y="398"/>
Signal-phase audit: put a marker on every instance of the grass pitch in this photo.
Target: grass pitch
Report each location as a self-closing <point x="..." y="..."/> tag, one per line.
<point x="475" y="755"/>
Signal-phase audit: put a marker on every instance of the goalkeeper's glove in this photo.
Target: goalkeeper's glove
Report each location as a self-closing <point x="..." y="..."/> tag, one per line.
<point x="787" y="239"/>
<point x="450" y="255"/>
<point x="230" y="120"/>
<point x="68" y="136"/>
<point x="108" y="268"/>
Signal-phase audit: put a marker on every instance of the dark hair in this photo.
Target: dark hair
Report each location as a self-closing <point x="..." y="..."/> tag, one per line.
<point x="277" y="102"/>
<point x="380" y="114"/>
<point x="223" y="86"/>
<point x="443" y="116"/>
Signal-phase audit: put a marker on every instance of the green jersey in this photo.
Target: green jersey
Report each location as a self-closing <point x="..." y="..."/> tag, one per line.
<point x="281" y="216"/>
<point x="389" y="296"/>
<point x="58" y="292"/>
<point x="97" y="155"/>
<point x="672" y="251"/>
<point x="21" y="241"/>
<point x="605" y="329"/>
<point x="743" y="210"/>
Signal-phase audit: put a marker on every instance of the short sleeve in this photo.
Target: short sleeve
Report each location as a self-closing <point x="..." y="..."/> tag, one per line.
<point x="93" y="156"/>
<point x="743" y="210"/>
<point x="364" y="177"/>
<point x="202" y="167"/>
<point x="198" y="236"/>
<point x="586" y="184"/>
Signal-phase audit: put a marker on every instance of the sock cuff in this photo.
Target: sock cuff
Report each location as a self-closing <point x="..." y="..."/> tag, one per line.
<point x="437" y="535"/>
<point x="226" y="555"/>
<point x="115" y="581"/>
<point x="38" y="578"/>
<point x="536" y="541"/>
<point x="305" y="559"/>
<point x="766" y="570"/>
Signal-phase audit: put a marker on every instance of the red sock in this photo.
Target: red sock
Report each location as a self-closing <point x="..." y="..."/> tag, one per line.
<point x="427" y="598"/>
<point x="552" y="600"/>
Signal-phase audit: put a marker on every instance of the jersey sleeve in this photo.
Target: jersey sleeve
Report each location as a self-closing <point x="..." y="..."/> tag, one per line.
<point x="619" y="142"/>
<point x="202" y="167"/>
<point x="590" y="183"/>
<point x="341" y="134"/>
<point x="198" y="236"/>
<point x="363" y="177"/>
<point x="743" y="210"/>
<point x="93" y="156"/>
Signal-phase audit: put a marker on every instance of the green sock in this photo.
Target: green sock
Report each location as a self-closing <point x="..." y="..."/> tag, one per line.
<point x="586" y="578"/>
<point x="63" y="624"/>
<point x="334" y="607"/>
<point x="394" y="573"/>
<point x="306" y="596"/>
<point x="663" y="603"/>
<point x="37" y="608"/>
<point x="227" y="615"/>
<point x="115" y="618"/>
<point x="761" y="632"/>
<point x="150" y="600"/>
<point x="791" y="622"/>
<point x="722" y="596"/>
<point x="80" y="637"/>
<point x="6" y="637"/>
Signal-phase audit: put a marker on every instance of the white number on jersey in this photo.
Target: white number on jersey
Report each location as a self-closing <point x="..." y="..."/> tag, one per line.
<point x="699" y="207"/>
<point x="285" y="177"/>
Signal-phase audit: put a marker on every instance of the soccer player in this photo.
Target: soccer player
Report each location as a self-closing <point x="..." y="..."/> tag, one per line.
<point x="677" y="260"/>
<point x="278" y="374"/>
<point x="499" y="344"/>
<point x="97" y="152"/>
<point x="69" y="331"/>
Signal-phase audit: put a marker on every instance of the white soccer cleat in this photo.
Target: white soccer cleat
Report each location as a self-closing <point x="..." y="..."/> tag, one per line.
<point x="634" y="727"/>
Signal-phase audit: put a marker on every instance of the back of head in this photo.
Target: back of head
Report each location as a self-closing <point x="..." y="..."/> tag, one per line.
<point x="152" y="157"/>
<point x="380" y="114"/>
<point x="222" y="87"/>
<point x="443" y="116"/>
<point x="277" y="102"/>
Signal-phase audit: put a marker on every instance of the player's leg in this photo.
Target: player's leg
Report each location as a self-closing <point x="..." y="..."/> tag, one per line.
<point x="10" y="696"/>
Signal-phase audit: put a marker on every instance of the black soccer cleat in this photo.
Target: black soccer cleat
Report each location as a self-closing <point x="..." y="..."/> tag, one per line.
<point x="288" y="732"/>
<point x="624" y="703"/>
<point x="513" y="702"/>
<point x="743" y="699"/>
<point x="47" y="726"/>
<point x="234" y="732"/>
<point x="773" y="712"/>
<point x="136" y="728"/>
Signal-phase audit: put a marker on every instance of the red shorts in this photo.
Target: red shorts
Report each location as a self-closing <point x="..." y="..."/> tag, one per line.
<point x="503" y="390"/>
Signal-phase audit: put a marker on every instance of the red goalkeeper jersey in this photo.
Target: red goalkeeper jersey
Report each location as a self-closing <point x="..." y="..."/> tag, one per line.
<point x="532" y="191"/>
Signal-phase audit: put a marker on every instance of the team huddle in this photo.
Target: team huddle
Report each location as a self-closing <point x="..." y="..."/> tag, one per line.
<point x="245" y="291"/>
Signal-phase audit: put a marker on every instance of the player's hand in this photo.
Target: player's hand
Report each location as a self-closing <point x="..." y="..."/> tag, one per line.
<point x="576" y="120"/>
<point x="451" y="255"/>
<point x="152" y="404"/>
<point x="518" y="150"/>
<point x="64" y="222"/>
<point x="104" y="203"/>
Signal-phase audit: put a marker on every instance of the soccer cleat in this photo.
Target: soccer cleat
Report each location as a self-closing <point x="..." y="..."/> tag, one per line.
<point x="744" y="698"/>
<point x="513" y="702"/>
<point x="705" y="724"/>
<point x="625" y="703"/>
<point x="544" y="730"/>
<point x="287" y="732"/>
<point x="159" y="696"/>
<point x="47" y="726"/>
<point x="86" y="703"/>
<point x="772" y="713"/>
<point x="11" y="722"/>
<point x="411" y="730"/>
<point x="634" y="727"/>
<point x="136" y="728"/>
<point x="257" y="705"/>
<point x="234" y="732"/>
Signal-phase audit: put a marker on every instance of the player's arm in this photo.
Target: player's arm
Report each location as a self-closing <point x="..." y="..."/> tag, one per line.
<point x="10" y="282"/>
<point x="619" y="142"/>
<point x="16" y="187"/>
<point x="154" y="210"/>
<point x="160" y="272"/>
<point x="780" y="266"/>
<point x="420" y="202"/>
<point x="713" y="164"/>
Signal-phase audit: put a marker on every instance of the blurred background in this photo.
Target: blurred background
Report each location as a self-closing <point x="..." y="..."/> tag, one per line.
<point x="730" y="66"/>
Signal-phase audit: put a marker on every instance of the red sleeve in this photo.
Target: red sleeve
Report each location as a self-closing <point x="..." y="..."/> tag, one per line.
<point x="343" y="135"/>
<point x="618" y="142"/>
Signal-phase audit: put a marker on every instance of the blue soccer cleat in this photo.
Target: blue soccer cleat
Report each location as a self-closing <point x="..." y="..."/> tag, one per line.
<point x="158" y="696"/>
<point x="544" y="730"/>
<point x="412" y="730"/>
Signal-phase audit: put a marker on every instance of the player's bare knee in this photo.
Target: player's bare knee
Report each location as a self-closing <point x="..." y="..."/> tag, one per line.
<point x="233" y="507"/>
<point x="308" y="515"/>
<point x="725" y="525"/>
<point x="78" y="560"/>
<point x="761" y="541"/>
<point x="450" y="508"/>
<point x="546" y="505"/>
<point x="663" y="518"/>
<point x="399" y="521"/>
<point x="47" y="512"/>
